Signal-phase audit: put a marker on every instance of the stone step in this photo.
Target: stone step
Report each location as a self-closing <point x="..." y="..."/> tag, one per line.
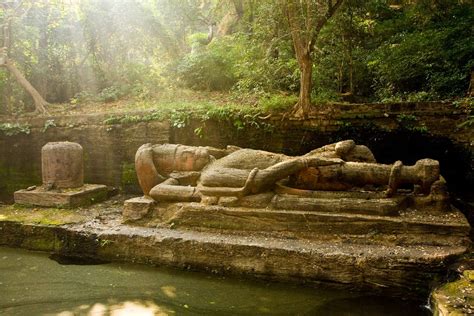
<point x="401" y="269"/>
<point x="411" y="227"/>
<point x="341" y="205"/>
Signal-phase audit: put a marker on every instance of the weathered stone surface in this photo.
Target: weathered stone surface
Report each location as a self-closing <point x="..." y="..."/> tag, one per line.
<point x="412" y="227"/>
<point x="403" y="254"/>
<point x="406" y="270"/>
<point x="85" y="195"/>
<point x="173" y="172"/>
<point x="62" y="165"/>
<point x="137" y="208"/>
<point x="381" y="206"/>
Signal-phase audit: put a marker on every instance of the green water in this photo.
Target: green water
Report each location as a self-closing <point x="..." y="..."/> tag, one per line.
<point x="33" y="284"/>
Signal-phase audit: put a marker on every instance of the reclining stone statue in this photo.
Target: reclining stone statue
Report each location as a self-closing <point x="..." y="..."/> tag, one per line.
<point x="171" y="172"/>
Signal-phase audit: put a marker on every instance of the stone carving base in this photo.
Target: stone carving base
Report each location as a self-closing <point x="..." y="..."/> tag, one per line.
<point x="403" y="254"/>
<point x="349" y="220"/>
<point x="63" y="198"/>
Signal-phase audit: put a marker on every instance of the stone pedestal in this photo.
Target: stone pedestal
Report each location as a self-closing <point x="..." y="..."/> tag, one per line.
<point x="63" y="180"/>
<point x="63" y="198"/>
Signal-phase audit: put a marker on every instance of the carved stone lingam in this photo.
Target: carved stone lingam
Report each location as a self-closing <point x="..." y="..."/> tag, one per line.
<point x="63" y="179"/>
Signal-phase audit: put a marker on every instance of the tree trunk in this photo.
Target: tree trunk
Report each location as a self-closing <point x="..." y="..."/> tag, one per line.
<point x="40" y="103"/>
<point x="304" y="102"/>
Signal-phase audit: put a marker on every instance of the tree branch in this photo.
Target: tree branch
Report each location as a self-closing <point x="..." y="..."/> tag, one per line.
<point x="331" y="9"/>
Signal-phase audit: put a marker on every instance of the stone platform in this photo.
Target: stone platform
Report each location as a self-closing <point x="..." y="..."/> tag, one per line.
<point x="404" y="254"/>
<point x="62" y="198"/>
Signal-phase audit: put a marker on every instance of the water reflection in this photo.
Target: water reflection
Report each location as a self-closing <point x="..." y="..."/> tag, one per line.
<point x="32" y="284"/>
<point x="140" y="308"/>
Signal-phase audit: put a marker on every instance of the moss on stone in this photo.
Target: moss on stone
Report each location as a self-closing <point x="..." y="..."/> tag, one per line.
<point x="42" y="244"/>
<point x="455" y="298"/>
<point x="41" y="216"/>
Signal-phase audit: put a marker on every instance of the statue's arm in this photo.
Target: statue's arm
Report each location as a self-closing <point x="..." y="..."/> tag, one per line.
<point x="171" y="190"/>
<point x="148" y="176"/>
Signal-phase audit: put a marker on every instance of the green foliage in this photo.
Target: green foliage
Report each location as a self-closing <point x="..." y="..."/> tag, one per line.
<point x="105" y="51"/>
<point x="179" y="119"/>
<point x="10" y="129"/>
<point x="428" y="61"/>
<point x="82" y="97"/>
<point x="48" y="124"/>
<point x="277" y="102"/>
<point x="210" y="67"/>
<point x="129" y="176"/>
<point x="181" y="115"/>
<point x="466" y="105"/>
<point x="130" y="119"/>
<point x="263" y="69"/>
<point x="410" y="122"/>
<point x="110" y="94"/>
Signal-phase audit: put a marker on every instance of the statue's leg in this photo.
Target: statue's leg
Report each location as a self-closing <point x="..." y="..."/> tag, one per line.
<point x="238" y="182"/>
<point x="224" y="177"/>
<point x="265" y="179"/>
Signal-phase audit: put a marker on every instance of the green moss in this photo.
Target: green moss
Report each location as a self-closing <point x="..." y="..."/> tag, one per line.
<point x="208" y="223"/>
<point x="456" y="298"/>
<point x="40" y="216"/>
<point x="98" y="196"/>
<point x="42" y="243"/>
<point x="469" y="275"/>
<point x="12" y="180"/>
<point x="129" y="176"/>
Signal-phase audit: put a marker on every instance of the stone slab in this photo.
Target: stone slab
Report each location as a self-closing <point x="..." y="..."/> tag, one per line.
<point x="398" y="269"/>
<point x="404" y="264"/>
<point x="66" y="198"/>
<point x="137" y="208"/>
<point x="386" y="206"/>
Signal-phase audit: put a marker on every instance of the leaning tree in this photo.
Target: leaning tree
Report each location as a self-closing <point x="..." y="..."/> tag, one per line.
<point x="11" y="10"/>
<point x="305" y="20"/>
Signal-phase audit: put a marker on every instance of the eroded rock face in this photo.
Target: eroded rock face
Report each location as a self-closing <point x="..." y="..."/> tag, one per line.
<point x="62" y="165"/>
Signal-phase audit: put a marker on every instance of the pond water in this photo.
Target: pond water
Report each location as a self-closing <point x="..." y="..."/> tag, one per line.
<point x="33" y="284"/>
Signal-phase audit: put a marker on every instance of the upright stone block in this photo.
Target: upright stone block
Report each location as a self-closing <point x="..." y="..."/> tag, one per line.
<point x="62" y="165"/>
